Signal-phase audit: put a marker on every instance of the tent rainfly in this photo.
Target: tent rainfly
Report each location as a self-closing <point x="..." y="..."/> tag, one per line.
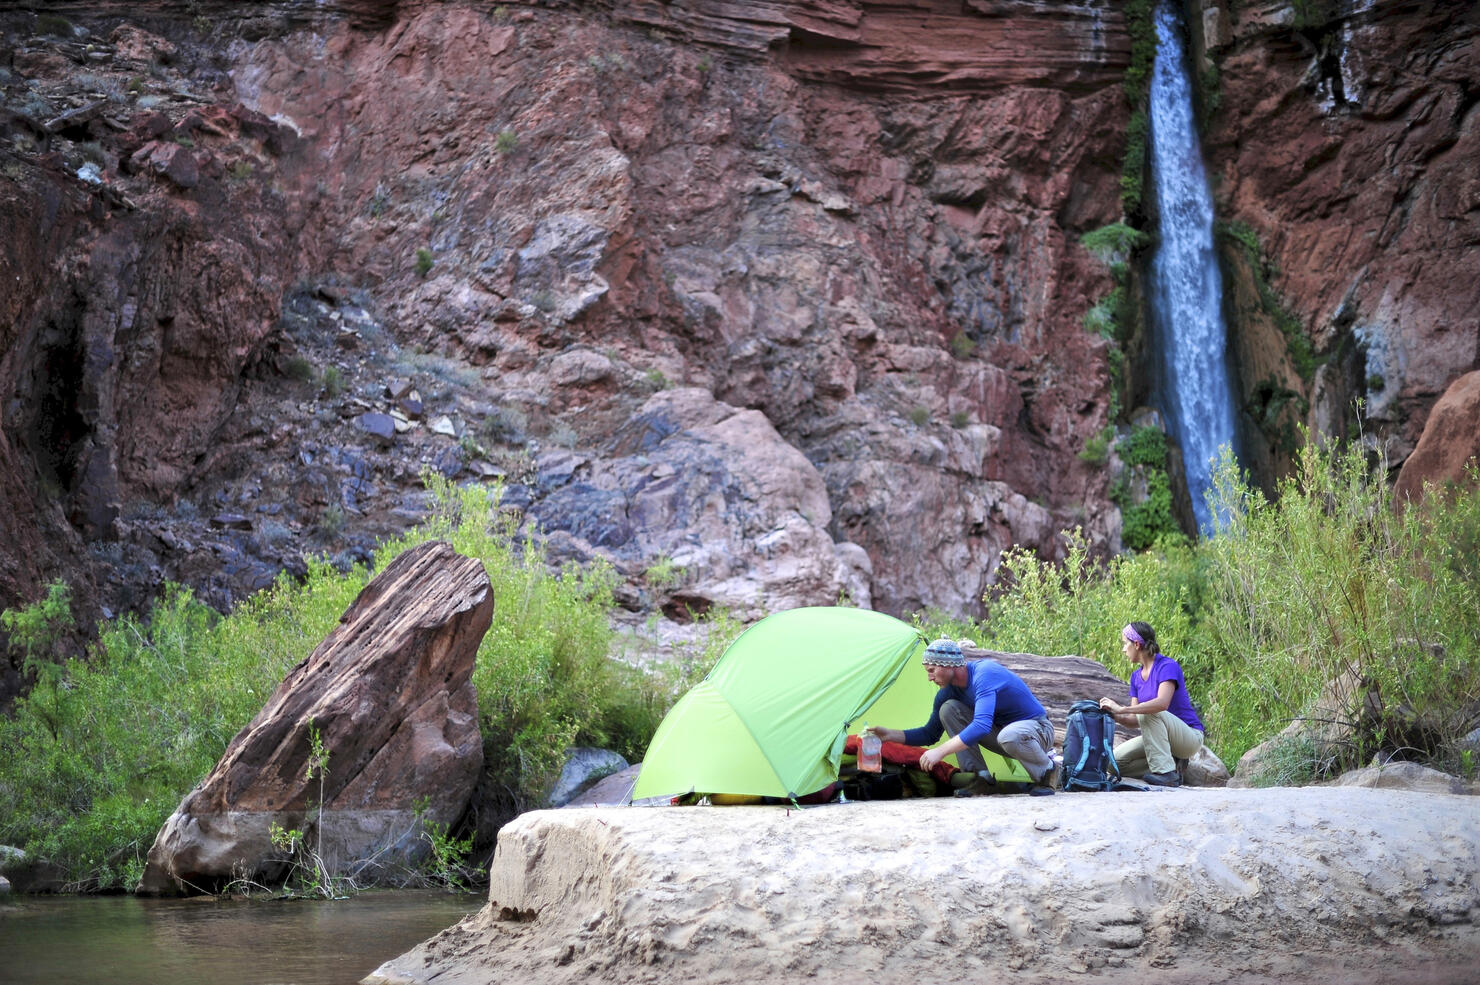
<point x="771" y="717"/>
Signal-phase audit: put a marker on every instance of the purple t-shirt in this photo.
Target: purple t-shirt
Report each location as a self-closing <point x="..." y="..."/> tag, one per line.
<point x="1164" y="668"/>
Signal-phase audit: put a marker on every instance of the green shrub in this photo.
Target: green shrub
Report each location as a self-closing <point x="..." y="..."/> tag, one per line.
<point x="959" y="419"/>
<point x="1096" y="450"/>
<point x="53" y="24"/>
<point x="962" y="346"/>
<point x="1330" y="578"/>
<point x="919" y="416"/>
<point x="1144" y="446"/>
<point x="1144" y="523"/>
<point x="93" y="766"/>
<point x="506" y="141"/>
<point x="1114" y="243"/>
<point x="424" y="262"/>
<point x="299" y="369"/>
<point x="1079" y="606"/>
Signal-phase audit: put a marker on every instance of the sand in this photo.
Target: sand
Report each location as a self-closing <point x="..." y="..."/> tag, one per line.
<point x="1283" y="885"/>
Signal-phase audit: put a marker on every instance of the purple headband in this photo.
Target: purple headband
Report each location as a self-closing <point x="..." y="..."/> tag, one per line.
<point x="1133" y="636"/>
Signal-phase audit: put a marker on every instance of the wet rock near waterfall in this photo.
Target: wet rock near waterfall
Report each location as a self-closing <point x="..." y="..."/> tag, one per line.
<point x="389" y="696"/>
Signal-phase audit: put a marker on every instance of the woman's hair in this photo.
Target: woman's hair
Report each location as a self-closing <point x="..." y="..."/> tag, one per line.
<point x="1144" y="630"/>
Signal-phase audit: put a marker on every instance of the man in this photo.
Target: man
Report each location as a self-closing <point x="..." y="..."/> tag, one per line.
<point x="983" y="704"/>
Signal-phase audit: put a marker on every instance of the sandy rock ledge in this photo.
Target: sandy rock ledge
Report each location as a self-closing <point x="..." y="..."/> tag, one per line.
<point x="1302" y="885"/>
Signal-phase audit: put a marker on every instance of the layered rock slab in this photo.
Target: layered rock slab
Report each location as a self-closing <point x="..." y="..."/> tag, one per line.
<point x="389" y="694"/>
<point x="1290" y="884"/>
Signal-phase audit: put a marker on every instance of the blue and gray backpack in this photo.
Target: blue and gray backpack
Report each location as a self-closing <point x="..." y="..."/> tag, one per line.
<point x="1089" y="748"/>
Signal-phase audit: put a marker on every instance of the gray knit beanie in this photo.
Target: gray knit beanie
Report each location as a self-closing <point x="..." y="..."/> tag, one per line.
<point x="944" y="653"/>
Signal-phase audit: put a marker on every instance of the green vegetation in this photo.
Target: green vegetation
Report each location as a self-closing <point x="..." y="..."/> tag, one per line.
<point x="1096" y="450"/>
<point x="962" y="345"/>
<point x="424" y="261"/>
<point x="1147" y="519"/>
<point x="663" y="573"/>
<point x="1327" y="582"/>
<point x="309" y="871"/>
<point x="103" y="749"/>
<point x="919" y="416"/>
<point x="959" y="419"/>
<point x="506" y="141"/>
<point x="54" y="24"/>
<point x="1114" y="317"/>
<point x="1133" y="166"/>
<point x="299" y="368"/>
<point x="654" y="380"/>
<point x="1144" y="446"/>
<point x="1297" y="344"/>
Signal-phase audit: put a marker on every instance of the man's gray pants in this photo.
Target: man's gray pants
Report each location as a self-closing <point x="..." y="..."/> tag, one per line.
<point x="1029" y="741"/>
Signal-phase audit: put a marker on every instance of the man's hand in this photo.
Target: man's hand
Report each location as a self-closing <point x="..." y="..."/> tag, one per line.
<point x="930" y="758"/>
<point x="886" y="734"/>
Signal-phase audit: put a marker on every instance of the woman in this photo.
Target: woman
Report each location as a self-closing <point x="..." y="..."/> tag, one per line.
<point x="1160" y="708"/>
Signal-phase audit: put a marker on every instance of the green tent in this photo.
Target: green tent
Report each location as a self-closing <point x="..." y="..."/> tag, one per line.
<point x="771" y="717"/>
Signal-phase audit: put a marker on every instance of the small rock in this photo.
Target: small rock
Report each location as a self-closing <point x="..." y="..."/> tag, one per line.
<point x="381" y="427"/>
<point x="410" y="405"/>
<point x="231" y="521"/>
<point x="443" y="425"/>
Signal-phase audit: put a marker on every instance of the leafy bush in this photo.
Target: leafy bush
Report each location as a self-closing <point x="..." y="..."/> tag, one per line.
<point x="94" y="765"/>
<point x="1146" y="446"/>
<point x="1114" y="243"/>
<point x="424" y="262"/>
<point x="1331" y="580"/>
<point x="1096" y="450"/>
<point x="1143" y="523"/>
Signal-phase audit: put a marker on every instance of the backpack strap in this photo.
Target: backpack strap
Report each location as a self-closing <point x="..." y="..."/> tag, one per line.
<point x="1109" y="732"/>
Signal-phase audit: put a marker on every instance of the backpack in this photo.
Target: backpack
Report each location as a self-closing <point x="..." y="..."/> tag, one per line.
<point x="1089" y="748"/>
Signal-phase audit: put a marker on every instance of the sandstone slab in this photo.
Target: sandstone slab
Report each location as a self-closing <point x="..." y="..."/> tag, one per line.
<point x="389" y="693"/>
<point x="1450" y="440"/>
<point x="1306" y="886"/>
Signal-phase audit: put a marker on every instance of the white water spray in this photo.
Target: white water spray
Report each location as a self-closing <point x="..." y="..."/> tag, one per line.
<point x="1186" y="287"/>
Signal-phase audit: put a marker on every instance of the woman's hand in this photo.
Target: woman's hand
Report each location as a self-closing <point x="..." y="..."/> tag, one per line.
<point x="931" y="757"/>
<point x="886" y="734"/>
<point x="1113" y="707"/>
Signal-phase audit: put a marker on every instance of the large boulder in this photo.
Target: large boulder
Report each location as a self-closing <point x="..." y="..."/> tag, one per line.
<point x="1450" y="440"/>
<point x="389" y="695"/>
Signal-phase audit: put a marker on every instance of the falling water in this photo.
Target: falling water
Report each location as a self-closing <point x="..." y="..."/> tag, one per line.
<point x="1186" y="288"/>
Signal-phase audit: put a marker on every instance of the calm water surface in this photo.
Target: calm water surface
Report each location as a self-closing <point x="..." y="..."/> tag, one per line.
<point x="122" y="940"/>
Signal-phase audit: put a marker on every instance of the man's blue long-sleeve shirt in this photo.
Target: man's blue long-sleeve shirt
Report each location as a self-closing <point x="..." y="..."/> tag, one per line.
<point x="998" y="696"/>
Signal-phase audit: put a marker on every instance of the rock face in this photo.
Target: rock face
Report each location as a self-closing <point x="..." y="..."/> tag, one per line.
<point x="853" y="228"/>
<point x="1450" y="440"/>
<point x="1344" y="141"/>
<point x="390" y="694"/>
<point x="820" y="258"/>
<point x="1304" y="886"/>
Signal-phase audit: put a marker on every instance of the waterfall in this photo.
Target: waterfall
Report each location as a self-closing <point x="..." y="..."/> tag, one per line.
<point x="1186" y="289"/>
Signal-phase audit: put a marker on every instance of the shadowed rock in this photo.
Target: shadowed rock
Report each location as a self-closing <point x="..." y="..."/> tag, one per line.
<point x="390" y="694"/>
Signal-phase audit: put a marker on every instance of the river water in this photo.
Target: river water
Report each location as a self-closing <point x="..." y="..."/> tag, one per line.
<point x="125" y="940"/>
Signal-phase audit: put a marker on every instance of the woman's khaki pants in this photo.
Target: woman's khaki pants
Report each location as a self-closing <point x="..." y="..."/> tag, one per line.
<point x="1164" y="739"/>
